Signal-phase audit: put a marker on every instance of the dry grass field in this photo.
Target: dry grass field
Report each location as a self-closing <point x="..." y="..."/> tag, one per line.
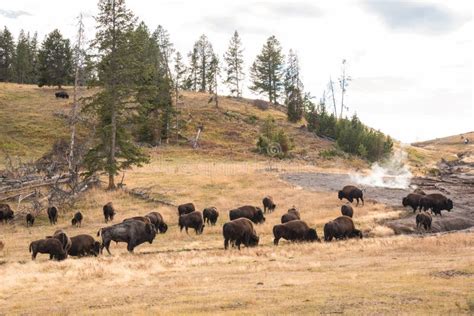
<point x="189" y="274"/>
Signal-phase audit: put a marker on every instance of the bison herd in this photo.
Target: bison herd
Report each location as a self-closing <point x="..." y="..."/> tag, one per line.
<point x="239" y="230"/>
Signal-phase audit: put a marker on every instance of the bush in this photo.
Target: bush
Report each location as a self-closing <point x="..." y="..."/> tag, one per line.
<point x="273" y="141"/>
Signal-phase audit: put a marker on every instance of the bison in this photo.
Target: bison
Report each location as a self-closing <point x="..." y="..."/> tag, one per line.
<point x="77" y="219"/>
<point x="51" y="246"/>
<point x="291" y="215"/>
<point x="268" y="204"/>
<point x="62" y="94"/>
<point x="109" y="212"/>
<point x="30" y="220"/>
<point x="132" y="232"/>
<point x="6" y="213"/>
<point x="412" y="200"/>
<point x="296" y="230"/>
<point x="436" y="202"/>
<point x="347" y="210"/>
<point x="239" y="231"/>
<point x="157" y="220"/>
<point x="52" y="215"/>
<point x="63" y="238"/>
<point x="210" y="215"/>
<point x="192" y="220"/>
<point x="253" y="213"/>
<point x="341" y="228"/>
<point x="350" y="193"/>
<point x="423" y="219"/>
<point x="84" y="245"/>
<point x="186" y="208"/>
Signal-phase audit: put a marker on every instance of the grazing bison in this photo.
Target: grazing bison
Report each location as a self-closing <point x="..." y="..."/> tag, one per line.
<point x="84" y="245"/>
<point x="296" y="230"/>
<point x="350" y="193"/>
<point x="109" y="212"/>
<point x="210" y="215"/>
<point x="6" y="213"/>
<point x="157" y="220"/>
<point x="50" y="246"/>
<point x="341" y="228"/>
<point x="291" y="215"/>
<point x="239" y="231"/>
<point x="63" y="238"/>
<point x="253" y="213"/>
<point x="347" y="210"/>
<point x="186" y="208"/>
<point x="192" y="220"/>
<point x="132" y="232"/>
<point x="30" y="220"/>
<point x="268" y="204"/>
<point x="62" y="94"/>
<point x="412" y="200"/>
<point x="423" y="219"/>
<point x="77" y="219"/>
<point x="436" y="202"/>
<point x="52" y="215"/>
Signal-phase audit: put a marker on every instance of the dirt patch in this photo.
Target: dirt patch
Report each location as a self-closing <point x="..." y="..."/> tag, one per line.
<point x="448" y="274"/>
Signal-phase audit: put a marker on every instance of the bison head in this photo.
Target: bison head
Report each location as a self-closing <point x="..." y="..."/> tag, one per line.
<point x="329" y="231"/>
<point x="253" y="241"/>
<point x="162" y="227"/>
<point x="96" y="249"/>
<point x="449" y="205"/>
<point x="259" y="218"/>
<point x="340" y="195"/>
<point x="311" y="235"/>
<point x="74" y="221"/>
<point x="356" y="233"/>
<point x="405" y="201"/>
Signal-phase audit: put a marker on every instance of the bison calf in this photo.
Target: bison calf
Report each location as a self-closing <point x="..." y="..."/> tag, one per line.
<point x="347" y="210"/>
<point x="52" y="215"/>
<point x="109" y="212"/>
<point x="423" y="219"/>
<point x="30" y="220"/>
<point x="77" y="219"/>
<point x="50" y="246"/>
<point x="268" y="204"/>
<point x="84" y="245"/>
<point x="341" y="228"/>
<point x="192" y="220"/>
<point x="295" y="230"/>
<point x="239" y="231"/>
<point x="291" y="215"/>
<point x="210" y="215"/>
<point x="350" y="193"/>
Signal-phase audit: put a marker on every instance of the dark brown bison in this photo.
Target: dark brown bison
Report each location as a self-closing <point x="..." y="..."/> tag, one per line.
<point x="291" y="215"/>
<point x="239" y="231"/>
<point x="62" y="94"/>
<point x="412" y="200"/>
<point x="186" y="208"/>
<point x="350" y="193"/>
<point x="63" y="238"/>
<point x="347" y="210"/>
<point x="109" y="212"/>
<point x="423" y="219"/>
<point x="132" y="232"/>
<point x="268" y="204"/>
<point x="253" y="213"/>
<point x="77" y="219"/>
<point x="157" y="220"/>
<point x="52" y="215"/>
<point x="30" y="220"/>
<point x="84" y="245"/>
<point x="436" y="202"/>
<point x="210" y="215"/>
<point x="6" y="213"/>
<point x="50" y="246"/>
<point x="341" y="228"/>
<point x="192" y="220"/>
<point x="296" y="230"/>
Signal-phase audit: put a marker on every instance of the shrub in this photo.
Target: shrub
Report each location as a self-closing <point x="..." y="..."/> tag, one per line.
<point x="273" y="141"/>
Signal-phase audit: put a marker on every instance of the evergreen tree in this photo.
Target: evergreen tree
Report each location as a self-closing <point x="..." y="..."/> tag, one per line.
<point x="213" y="74"/>
<point x="201" y="62"/>
<point x="7" y="56"/>
<point x="179" y="72"/>
<point x="293" y="89"/>
<point x="267" y="70"/>
<point x="234" y="69"/>
<point x="23" y="62"/>
<point x="114" y="150"/>
<point x="33" y="75"/>
<point x="162" y="38"/>
<point x="192" y="79"/>
<point x="55" y="61"/>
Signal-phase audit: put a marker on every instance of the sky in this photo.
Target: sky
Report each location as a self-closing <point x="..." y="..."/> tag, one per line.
<point x="410" y="61"/>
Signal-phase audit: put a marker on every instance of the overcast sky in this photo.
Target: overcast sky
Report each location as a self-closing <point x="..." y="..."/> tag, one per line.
<point x="410" y="61"/>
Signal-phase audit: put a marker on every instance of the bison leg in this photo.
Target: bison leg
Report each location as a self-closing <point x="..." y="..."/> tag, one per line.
<point x="226" y="243"/>
<point x="33" y="255"/>
<point x="237" y="243"/>
<point x="130" y="247"/>
<point x="107" y="245"/>
<point x="275" y="241"/>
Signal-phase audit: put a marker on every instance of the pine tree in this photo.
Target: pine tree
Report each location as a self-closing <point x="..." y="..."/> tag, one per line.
<point x="234" y="69"/>
<point x="23" y="62"/>
<point x="7" y="56"/>
<point x="213" y="74"/>
<point x="192" y="79"/>
<point x="293" y="88"/>
<point x="162" y="38"/>
<point x="267" y="70"/>
<point x="55" y="61"/>
<point x="202" y="56"/>
<point x="179" y="71"/>
<point x="114" y="150"/>
<point x="33" y="75"/>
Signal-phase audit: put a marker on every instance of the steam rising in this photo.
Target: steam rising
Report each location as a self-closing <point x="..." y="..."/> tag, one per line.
<point x="392" y="173"/>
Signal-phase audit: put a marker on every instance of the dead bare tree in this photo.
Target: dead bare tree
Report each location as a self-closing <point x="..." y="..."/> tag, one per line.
<point x="344" y="83"/>
<point x="331" y="88"/>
